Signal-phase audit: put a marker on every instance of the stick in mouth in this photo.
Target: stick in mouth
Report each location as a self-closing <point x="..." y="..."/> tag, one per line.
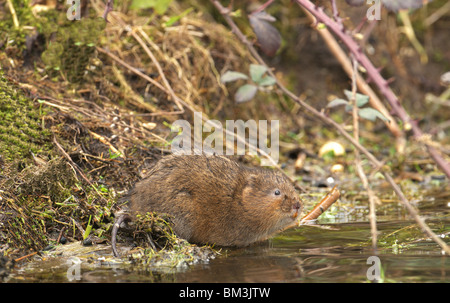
<point x="323" y="205"/>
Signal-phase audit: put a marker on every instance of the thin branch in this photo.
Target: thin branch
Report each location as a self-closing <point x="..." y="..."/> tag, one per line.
<point x="13" y="13"/>
<point x="445" y="9"/>
<point x="108" y="8"/>
<point x="75" y="166"/>
<point x="358" y="164"/>
<point x="159" y="68"/>
<point x="26" y="256"/>
<point x="336" y="16"/>
<point x="133" y="69"/>
<point x="321" y="207"/>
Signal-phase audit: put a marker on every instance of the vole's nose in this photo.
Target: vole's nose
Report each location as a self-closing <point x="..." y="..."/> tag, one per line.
<point x="296" y="205"/>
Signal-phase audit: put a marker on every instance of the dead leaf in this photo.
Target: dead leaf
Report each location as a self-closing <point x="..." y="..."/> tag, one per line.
<point x="268" y="36"/>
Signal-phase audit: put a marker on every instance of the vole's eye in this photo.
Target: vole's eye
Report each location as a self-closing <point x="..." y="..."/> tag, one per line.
<point x="277" y="192"/>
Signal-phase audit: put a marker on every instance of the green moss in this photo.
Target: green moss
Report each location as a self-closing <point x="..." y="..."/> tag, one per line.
<point x="21" y="132"/>
<point x="15" y="38"/>
<point x="72" y="47"/>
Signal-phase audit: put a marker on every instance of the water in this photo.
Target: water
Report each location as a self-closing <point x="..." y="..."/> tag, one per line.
<point x="337" y="252"/>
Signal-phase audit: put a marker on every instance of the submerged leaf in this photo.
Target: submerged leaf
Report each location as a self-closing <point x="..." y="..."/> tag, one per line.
<point x="268" y="36"/>
<point x="245" y="93"/>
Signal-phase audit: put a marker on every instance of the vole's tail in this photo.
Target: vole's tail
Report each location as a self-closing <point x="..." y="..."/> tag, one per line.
<point x="118" y="221"/>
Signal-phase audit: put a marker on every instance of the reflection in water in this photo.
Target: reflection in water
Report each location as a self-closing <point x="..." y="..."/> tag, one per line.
<point x="244" y="268"/>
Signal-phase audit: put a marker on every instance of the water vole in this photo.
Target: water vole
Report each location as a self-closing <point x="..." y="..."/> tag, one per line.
<point x="215" y="200"/>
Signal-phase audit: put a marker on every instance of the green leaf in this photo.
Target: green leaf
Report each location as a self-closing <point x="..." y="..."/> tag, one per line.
<point x="245" y="93"/>
<point x="267" y="81"/>
<point x="230" y="76"/>
<point x="337" y="102"/>
<point x="160" y="6"/>
<point x="236" y="14"/>
<point x="257" y="71"/>
<point x="371" y="114"/>
<point x="88" y="228"/>
<point x="361" y="99"/>
<point x="174" y="19"/>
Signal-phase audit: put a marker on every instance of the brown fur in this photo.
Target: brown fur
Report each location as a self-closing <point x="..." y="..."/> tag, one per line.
<point x="216" y="200"/>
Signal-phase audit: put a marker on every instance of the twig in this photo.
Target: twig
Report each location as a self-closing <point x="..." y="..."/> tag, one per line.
<point x="160" y="71"/>
<point x="131" y="68"/>
<point x="409" y="32"/>
<point x="322" y="206"/>
<point x="60" y="234"/>
<point x="13" y="13"/>
<point x="106" y="142"/>
<point x="336" y="14"/>
<point x="437" y="14"/>
<point x="108" y="8"/>
<point x="66" y="155"/>
<point x="326" y="120"/>
<point x="80" y="228"/>
<point x="75" y="166"/>
<point x="26" y="256"/>
<point x="359" y="168"/>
